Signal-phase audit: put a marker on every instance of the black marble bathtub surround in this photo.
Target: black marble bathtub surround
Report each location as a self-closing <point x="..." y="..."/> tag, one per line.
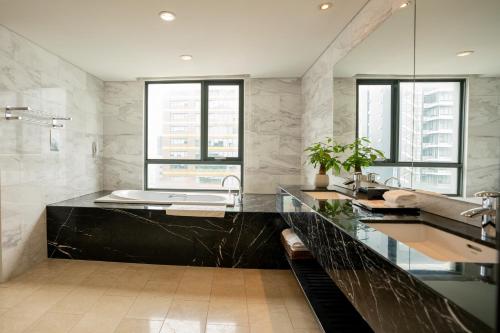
<point x="248" y="236"/>
<point x="395" y="288"/>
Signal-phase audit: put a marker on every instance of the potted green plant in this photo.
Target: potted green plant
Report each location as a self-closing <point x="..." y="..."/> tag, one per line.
<point x="362" y="155"/>
<point x="324" y="155"/>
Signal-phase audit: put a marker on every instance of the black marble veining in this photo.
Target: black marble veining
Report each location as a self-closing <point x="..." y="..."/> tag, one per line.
<point x="248" y="236"/>
<point x="394" y="287"/>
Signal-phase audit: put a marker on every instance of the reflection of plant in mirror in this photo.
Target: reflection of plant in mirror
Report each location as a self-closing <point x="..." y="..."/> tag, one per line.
<point x="335" y="208"/>
<point x="363" y="155"/>
<point x="324" y="155"/>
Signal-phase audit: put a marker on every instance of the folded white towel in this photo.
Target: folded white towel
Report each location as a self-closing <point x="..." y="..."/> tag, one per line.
<point x="400" y="198"/>
<point x="196" y="210"/>
<point x="293" y="240"/>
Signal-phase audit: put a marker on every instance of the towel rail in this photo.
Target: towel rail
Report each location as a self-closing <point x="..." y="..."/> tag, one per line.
<point x="34" y="117"/>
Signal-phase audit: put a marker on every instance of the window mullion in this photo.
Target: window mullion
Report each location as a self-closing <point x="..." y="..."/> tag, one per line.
<point x="395" y="122"/>
<point x="204" y="121"/>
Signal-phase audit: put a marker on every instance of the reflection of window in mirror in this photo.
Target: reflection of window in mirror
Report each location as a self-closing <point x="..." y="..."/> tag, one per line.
<point x="418" y="125"/>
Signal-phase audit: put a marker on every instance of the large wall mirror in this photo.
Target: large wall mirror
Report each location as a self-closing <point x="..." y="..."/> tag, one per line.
<point x="373" y="84"/>
<point x="425" y="87"/>
<point x="457" y="104"/>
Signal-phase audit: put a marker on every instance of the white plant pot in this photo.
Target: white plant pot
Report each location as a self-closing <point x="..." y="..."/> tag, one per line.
<point x="321" y="180"/>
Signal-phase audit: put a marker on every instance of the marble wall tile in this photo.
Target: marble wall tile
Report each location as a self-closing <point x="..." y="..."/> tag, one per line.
<point x="482" y="163"/>
<point x="31" y="175"/>
<point x="272" y="134"/>
<point x="123" y="135"/>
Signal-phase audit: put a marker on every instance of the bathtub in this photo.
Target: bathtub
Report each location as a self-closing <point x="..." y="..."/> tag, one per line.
<point x="166" y="198"/>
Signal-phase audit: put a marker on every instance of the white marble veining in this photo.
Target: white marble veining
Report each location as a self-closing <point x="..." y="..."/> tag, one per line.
<point x="272" y="134"/>
<point x="123" y="135"/>
<point x="482" y="163"/>
<point x="31" y="175"/>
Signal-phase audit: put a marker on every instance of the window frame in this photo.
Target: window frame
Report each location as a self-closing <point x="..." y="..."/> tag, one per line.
<point x="204" y="158"/>
<point x="393" y="161"/>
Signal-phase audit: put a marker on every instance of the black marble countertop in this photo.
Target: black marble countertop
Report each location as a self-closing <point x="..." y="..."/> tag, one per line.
<point x="472" y="286"/>
<point x="251" y="203"/>
<point x="463" y="230"/>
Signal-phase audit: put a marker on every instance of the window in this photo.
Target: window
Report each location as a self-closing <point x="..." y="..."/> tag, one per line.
<point x="417" y="124"/>
<point x="194" y="133"/>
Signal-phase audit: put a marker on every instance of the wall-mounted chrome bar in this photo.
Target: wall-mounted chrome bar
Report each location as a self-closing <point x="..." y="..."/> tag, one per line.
<point x="33" y="117"/>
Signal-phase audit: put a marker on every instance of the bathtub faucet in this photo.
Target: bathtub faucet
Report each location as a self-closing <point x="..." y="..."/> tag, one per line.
<point x="238" y="198"/>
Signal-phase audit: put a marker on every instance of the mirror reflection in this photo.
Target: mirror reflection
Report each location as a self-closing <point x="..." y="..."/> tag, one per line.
<point x="429" y="98"/>
<point x="457" y="103"/>
<point x="374" y="85"/>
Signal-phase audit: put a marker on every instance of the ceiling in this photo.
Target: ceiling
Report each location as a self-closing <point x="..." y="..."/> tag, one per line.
<point x="444" y="28"/>
<point x="125" y="39"/>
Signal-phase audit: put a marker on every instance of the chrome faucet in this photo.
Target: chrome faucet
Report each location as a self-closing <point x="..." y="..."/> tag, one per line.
<point x="489" y="209"/>
<point x="238" y="198"/>
<point x="393" y="178"/>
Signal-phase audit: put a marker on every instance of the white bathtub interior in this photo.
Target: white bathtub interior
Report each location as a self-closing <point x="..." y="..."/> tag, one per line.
<point x="166" y="198"/>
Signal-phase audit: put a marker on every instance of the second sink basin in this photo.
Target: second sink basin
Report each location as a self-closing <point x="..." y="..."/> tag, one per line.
<point x="437" y="244"/>
<point x="327" y="196"/>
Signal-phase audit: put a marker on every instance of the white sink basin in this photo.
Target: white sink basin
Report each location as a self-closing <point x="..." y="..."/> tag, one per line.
<point x="437" y="244"/>
<point x="327" y="196"/>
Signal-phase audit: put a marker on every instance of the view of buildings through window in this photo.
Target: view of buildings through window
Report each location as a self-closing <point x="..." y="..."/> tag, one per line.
<point x="428" y="131"/>
<point x="193" y="142"/>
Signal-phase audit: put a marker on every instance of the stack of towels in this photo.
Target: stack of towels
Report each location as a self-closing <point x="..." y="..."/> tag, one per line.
<point x="400" y="199"/>
<point x="293" y="240"/>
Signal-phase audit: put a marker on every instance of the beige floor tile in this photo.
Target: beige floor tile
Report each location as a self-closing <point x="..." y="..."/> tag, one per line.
<point x="112" y="305"/>
<point x="303" y="319"/>
<point x="100" y="297"/>
<point x="167" y="274"/>
<point x="296" y="303"/>
<point x="15" y="323"/>
<point x="130" y="283"/>
<point x="228" y="293"/>
<point x="228" y="276"/>
<point x="97" y="323"/>
<point x="227" y="313"/>
<point x="129" y="325"/>
<point x="263" y="294"/>
<point x="205" y="274"/>
<point x="37" y="303"/>
<point x="149" y="307"/>
<point x="11" y="296"/>
<point x="79" y="300"/>
<point x="227" y="329"/>
<point x="110" y="267"/>
<point x="54" y="322"/>
<point x="291" y="289"/>
<point x="186" y="317"/>
<point x="269" y="318"/>
<point x="99" y="279"/>
<point x="266" y="327"/>
<point x="191" y="289"/>
<point x="160" y="288"/>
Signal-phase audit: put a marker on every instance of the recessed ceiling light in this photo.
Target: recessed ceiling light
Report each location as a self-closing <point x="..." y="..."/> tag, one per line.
<point x="464" y="53"/>
<point x="186" y="57"/>
<point x="404" y="4"/>
<point x="325" y="6"/>
<point x="167" y="16"/>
